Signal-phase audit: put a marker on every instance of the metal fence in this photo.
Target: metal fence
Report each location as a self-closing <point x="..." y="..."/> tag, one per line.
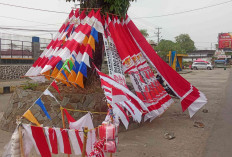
<point x="18" y="49"/>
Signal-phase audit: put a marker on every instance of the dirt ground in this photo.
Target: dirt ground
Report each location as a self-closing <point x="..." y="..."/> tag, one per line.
<point x="148" y="140"/>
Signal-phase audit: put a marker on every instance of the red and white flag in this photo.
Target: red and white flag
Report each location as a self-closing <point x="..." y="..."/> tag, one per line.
<point x="38" y="138"/>
<point x="63" y="140"/>
<point x="191" y="98"/>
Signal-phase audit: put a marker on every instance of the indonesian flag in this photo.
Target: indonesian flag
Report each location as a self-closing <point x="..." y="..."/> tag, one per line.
<point x="133" y="104"/>
<point x="63" y="140"/>
<point x="38" y="139"/>
<point x="191" y="98"/>
<point x="139" y="72"/>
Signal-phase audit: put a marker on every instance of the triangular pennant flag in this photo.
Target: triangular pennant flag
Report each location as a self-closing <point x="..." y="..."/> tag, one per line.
<point x="47" y="92"/>
<point x="40" y="103"/>
<point x="29" y="116"/>
<point x="55" y="86"/>
<point x="69" y="117"/>
<point x="94" y="33"/>
<point x="47" y="74"/>
<point x="83" y="69"/>
<point x="79" y="80"/>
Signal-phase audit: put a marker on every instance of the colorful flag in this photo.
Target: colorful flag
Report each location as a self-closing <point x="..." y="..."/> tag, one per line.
<point x="69" y="117"/>
<point x="54" y="85"/>
<point x="57" y="69"/>
<point x="29" y="116"/>
<point x="47" y="92"/>
<point x="40" y="103"/>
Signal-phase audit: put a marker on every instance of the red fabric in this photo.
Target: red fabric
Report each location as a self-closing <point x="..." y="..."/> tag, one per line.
<point x="79" y="140"/>
<point x="53" y="140"/>
<point x="122" y="110"/>
<point x="55" y="86"/>
<point x="110" y="147"/>
<point x="67" y="148"/>
<point x="190" y="98"/>
<point x="69" y="117"/>
<point x="177" y="82"/>
<point x="40" y="140"/>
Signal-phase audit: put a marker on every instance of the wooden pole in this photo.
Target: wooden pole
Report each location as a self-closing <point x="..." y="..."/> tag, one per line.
<point x="85" y="141"/>
<point x="21" y="141"/>
<point x="20" y="136"/>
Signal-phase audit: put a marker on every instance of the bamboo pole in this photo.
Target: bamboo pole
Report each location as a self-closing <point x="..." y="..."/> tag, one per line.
<point x="85" y="141"/>
<point x="20" y="137"/>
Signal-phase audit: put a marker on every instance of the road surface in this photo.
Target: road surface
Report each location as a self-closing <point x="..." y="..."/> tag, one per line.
<point x="219" y="143"/>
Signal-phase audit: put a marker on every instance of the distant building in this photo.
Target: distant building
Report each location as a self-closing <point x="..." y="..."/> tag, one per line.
<point x="205" y="55"/>
<point x="152" y="43"/>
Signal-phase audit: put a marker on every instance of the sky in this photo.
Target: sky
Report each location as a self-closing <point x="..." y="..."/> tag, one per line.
<point x="202" y="25"/>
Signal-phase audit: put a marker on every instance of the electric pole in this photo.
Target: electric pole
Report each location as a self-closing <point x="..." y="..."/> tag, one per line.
<point x="158" y="34"/>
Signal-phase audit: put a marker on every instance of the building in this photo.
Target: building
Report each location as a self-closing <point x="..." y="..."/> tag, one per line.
<point x="205" y="55"/>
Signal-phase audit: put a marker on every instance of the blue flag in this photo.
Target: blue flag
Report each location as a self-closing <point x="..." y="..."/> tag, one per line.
<point x="83" y="69"/>
<point x="40" y="103"/>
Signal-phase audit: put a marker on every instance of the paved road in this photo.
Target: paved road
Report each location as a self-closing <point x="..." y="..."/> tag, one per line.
<point x="219" y="143"/>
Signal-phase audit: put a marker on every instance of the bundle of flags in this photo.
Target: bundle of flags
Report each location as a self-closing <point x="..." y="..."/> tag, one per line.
<point x="67" y="58"/>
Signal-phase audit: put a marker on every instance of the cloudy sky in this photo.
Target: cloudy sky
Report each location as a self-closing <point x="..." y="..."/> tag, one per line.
<point x="203" y="25"/>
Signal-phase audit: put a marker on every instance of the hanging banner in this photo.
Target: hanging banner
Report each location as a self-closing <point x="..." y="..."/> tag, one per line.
<point x="114" y="61"/>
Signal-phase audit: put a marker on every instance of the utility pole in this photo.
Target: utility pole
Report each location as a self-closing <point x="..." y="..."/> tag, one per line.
<point x="158" y="34"/>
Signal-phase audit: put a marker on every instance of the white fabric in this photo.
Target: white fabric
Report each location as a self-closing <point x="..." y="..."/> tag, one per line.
<point x="122" y="116"/>
<point x="85" y="59"/>
<point x="47" y="92"/>
<point x="197" y="104"/>
<point x="29" y="139"/>
<point x="60" y="140"/>
<point x="124" y="89"/>
<point x="85" y="121"/>
<point x="47" y="136"/>
<point x="74" y="142"/>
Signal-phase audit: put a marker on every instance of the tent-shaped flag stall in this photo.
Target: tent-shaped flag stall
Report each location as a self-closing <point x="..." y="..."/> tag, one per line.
<point x="70" y="55"/>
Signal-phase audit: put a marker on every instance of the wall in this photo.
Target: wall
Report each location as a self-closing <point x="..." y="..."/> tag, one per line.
<point x="8" y="72"/>
<point x="22" y="99"/>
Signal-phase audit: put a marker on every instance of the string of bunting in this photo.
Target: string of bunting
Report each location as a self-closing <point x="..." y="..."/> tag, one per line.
<point x="83" y="111"/>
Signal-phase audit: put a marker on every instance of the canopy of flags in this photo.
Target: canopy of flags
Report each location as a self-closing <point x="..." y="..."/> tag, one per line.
<point x="68" y="56"/>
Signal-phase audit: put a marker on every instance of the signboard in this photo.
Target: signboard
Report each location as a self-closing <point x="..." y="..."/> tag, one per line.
<point x="225" y="41"/>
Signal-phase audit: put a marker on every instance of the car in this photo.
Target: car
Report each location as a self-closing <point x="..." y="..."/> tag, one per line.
<point x="202" y="65"/>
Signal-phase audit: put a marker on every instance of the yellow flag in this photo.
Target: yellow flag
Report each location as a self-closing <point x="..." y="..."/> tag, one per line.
<point x="29" y="116"/>
<point x="85" y="41"/>
<point x="91" y="42"/>
<point x="47" y="74"/>
<point x="79" y="80"/>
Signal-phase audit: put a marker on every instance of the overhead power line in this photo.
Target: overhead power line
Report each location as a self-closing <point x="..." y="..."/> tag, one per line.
<point x="25" y="20"/>
<point x="33" y="30"/>
<point x="187" y="11"/>
<point x="51" y="11"/>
